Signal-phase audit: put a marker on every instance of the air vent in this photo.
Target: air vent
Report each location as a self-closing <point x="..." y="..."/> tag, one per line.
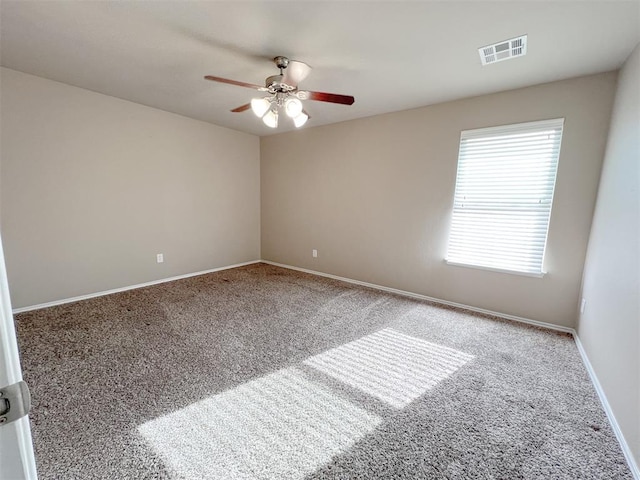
<point x="516" y="47"/>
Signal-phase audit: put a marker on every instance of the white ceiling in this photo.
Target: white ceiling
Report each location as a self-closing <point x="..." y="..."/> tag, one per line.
<point x="390" y="55"/>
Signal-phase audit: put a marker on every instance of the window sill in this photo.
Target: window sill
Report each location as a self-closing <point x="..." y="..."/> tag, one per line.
<point x="499" y="270"/>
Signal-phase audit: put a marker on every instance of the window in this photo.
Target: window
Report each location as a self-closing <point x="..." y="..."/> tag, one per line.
<point x="504" y="191"/>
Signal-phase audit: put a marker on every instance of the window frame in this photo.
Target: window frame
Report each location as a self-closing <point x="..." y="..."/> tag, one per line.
<point x="487" y="132"/>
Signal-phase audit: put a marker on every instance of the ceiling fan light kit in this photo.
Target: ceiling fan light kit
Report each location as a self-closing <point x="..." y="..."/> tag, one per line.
<point x="300" y="120"/>
<point x="268" y="108"/>
<point x="260" y="106"/>
<point x="271" y="119"/>
<point x="293" y="107"/>
<point x="283" y="94"/>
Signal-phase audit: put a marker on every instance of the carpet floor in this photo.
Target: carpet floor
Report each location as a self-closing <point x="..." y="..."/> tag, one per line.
<point x="265" y="373"/>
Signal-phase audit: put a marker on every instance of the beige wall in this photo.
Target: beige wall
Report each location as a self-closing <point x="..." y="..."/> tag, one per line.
<point x="93" y="187"/>
<point x="609" y="328"/>
<point x="374" y="197"/>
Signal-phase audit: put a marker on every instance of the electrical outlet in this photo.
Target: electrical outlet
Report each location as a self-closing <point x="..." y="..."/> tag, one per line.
<point x="160" y="258"/>
<point x="314" y="252"/>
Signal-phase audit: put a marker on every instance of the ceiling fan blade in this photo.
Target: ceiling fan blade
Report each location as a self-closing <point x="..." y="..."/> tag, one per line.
<point x="233" y="82"/>
<point x="242" y="108"/>
<point x="326" y="97"/>
<point x="295" y="72"/>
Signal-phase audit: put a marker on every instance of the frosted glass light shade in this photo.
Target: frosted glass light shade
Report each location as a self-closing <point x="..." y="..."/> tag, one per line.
<point x="260" y="106"/>
<point x="271" y="119"/>
<point x="300" y="120"/>
<point x="293" y="107"/>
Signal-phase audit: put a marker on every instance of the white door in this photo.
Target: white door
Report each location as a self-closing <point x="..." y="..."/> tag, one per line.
<point x="16" y="450"/>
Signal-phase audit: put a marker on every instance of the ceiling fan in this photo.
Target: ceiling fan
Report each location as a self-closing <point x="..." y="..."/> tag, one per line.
<point x="281" y="93"/>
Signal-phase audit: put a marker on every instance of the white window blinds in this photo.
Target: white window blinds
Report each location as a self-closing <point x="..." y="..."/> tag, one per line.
<point x="504" y="191"/>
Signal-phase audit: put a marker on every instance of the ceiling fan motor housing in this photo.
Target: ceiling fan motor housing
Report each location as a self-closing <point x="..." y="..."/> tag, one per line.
<point x="274" y="84"/>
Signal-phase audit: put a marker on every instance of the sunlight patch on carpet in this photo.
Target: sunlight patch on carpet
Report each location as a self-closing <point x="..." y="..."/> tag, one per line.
<point x="282" y="425"/>
<point x="389" y="365"/>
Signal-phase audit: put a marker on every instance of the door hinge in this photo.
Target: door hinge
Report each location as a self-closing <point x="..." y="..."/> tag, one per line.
<point x="15" y="402"/>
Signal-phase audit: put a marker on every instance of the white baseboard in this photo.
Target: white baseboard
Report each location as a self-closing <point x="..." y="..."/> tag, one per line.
<point x="594" y="379"/>
<point x="626" y="450"/>
<point x="130" y="287"/>
<point x="418" y="296"/>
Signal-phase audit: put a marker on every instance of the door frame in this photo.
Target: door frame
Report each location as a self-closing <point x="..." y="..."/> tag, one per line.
<point x="17" y="459"/>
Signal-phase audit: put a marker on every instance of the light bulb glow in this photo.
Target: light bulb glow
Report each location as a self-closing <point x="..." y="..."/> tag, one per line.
<point x="293" y="107"/>
<point x="300" y="120"/>
<point x="271" y="119"/>
<point x="260" y="106"/>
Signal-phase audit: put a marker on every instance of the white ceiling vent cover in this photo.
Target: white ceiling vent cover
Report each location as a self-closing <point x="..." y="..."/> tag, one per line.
<point x="516" y="47"/>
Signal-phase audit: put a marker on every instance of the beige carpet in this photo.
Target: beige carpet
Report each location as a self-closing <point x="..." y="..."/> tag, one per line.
<point x="265" y="373"/>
